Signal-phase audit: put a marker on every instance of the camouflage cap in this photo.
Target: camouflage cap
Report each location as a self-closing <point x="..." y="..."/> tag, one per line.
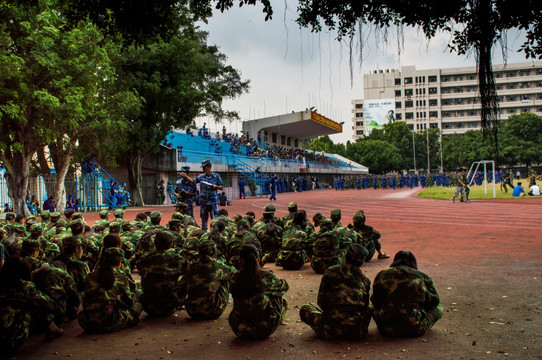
<point x="103" y="213"/>
<point x="359" y="216"/>
<point x="62" y="222"/>
<point x="357" y="252"/>
<point x="317" y="216"/>
<point x="115" y="226"/>
<point x="335" y="213"/>
<point x="292" y="205"/>
<point x="45" y="214"/>
<point x="156" y="215"/>
<point x="175" y="223"/>
<point x="181" y="205"/>
<point x="55" y="216"/>
<point x="71" y="242"/>
<point x="10" y="216"/>
<point x="77" y="215"/>
<point x="326" y="225"/>
<point x="270" y="208"/>
<point x="119" y="213"/>
<point x="177" y="215"/>
<point x="205" y="162"/>
<point x="268" y="213"/>
<point x="36" y="229"/>
<point x="20" y="229"/>
<point x="243" y="223"/>
<point x="126" y="225"/>
<point x="31" y="217"/>
<point x="236" y="218"/>
<point x="75" y="221"/>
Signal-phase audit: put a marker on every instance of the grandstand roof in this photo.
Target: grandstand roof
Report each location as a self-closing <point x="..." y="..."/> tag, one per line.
<point x="298" y="125"/>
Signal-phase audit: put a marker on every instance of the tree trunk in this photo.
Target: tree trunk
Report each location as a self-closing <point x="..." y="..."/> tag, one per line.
<point x="61" y="171"/>
<point x="18" y="181"/>
<point x="134" y="178"/>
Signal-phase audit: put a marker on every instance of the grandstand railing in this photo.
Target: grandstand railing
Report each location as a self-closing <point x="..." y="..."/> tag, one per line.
<point x="95" y="189"/>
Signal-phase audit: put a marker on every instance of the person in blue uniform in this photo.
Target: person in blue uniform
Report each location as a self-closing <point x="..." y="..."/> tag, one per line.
<point x="209" y="182"/>
<point x="186" y="191"/>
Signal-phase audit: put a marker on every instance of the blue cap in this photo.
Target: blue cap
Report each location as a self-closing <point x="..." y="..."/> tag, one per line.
<point x="205" y="163"/>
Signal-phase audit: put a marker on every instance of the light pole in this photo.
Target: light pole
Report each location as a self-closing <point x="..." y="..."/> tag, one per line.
<point x="414" y="150"/>
<point x="428" y="165"/>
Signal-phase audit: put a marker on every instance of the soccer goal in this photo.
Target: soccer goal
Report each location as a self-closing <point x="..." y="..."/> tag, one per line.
<point x="476" y="165"/>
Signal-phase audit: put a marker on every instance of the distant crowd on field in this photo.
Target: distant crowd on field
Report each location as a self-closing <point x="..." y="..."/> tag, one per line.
<point x="56" y="268"/>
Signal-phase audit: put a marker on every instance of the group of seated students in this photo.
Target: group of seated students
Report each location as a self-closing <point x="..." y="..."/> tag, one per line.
<point x="55" y="269"/>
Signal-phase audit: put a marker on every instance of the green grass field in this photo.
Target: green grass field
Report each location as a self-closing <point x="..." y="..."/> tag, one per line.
<point x="476" y="192"/>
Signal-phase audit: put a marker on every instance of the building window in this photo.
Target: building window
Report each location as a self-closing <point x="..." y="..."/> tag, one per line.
<point x="408" y="80"/>
<point x="511" y="74"/>
<point x="289" y="141"/>
<point x="433" y="102"/>
<point x="359" y="132"/>
<point x="432" y="90"/>
<point x="511" y="86"/>
<point x="296" y="143"/>
<point x="359" y="123"/>
<point x="458" y="78"/>
<point x="432" y="78"/>
<point x="359" y="106"/>
<point x="433" y="114"/>
<point x="409" y="116"/>
<point x="397" y="92"/>
<point x="398" y="81"/>
<point x="283" y="140"/>
<point x="409" y="104"/>
<point x="398" y="104"/>
<point x="408" y="92"/>
<point x="445" y="78"/>
<point x="358" y="115"/>
<point x="274" y="138"/>
<point x="472" y="77"/>
<point x="398" y="116"/>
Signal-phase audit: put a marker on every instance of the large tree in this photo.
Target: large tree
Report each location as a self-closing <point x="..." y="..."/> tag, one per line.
<point x="51" y="85"/>
<point x="178" y="79"/>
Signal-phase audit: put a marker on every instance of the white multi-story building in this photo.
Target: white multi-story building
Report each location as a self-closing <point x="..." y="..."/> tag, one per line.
<point x="449" y="99"/>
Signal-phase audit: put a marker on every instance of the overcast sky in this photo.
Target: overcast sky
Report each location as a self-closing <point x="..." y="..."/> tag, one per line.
<point x="291" y="69"/>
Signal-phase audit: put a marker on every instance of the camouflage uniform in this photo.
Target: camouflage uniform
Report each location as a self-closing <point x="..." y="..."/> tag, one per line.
<point x="235" y="243"/>
<point x="19" y="308"/>
<point x="61" y="288"/>
<point x="292" y="256"/>
<point x="326" y="244"/>
<point x="406" y="303"/>
<point x="160" y="279"/>
<point x="370" y="237"/>
<point x="270" y="240"/>
<point x="207" y="287"/>
<point x="343" y="299"/>
<point x="108" y="310"/>
<point x="258" y="316"/>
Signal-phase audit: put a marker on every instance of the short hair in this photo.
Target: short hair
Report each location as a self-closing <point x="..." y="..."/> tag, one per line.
<point x="223" y="212"/>
<point x="519" y="183"/>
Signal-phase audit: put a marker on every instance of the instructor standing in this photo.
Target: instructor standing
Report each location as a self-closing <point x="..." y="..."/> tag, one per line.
<point x="209" y="182"/>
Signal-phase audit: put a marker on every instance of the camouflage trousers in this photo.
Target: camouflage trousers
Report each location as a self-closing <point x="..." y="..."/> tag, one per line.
<point x="291" y="260"/>
<point x="339" y="322"/>
<point x="207" y="306"/>
<point x="320" y="265"/>
<point x="159" y="304"/>
<point x="406" y="322"/>
<point x="109" y="320"/>
<point x="259" y="328"/>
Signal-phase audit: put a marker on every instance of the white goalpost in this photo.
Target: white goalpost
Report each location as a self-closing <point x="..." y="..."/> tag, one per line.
<point x="477" y="164"/>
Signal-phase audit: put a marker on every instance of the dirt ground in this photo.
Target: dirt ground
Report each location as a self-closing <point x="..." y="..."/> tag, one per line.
<point x="484" y="257"/>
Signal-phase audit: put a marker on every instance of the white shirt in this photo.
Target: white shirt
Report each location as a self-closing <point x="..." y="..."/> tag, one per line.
<point x="535" y="190"/>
